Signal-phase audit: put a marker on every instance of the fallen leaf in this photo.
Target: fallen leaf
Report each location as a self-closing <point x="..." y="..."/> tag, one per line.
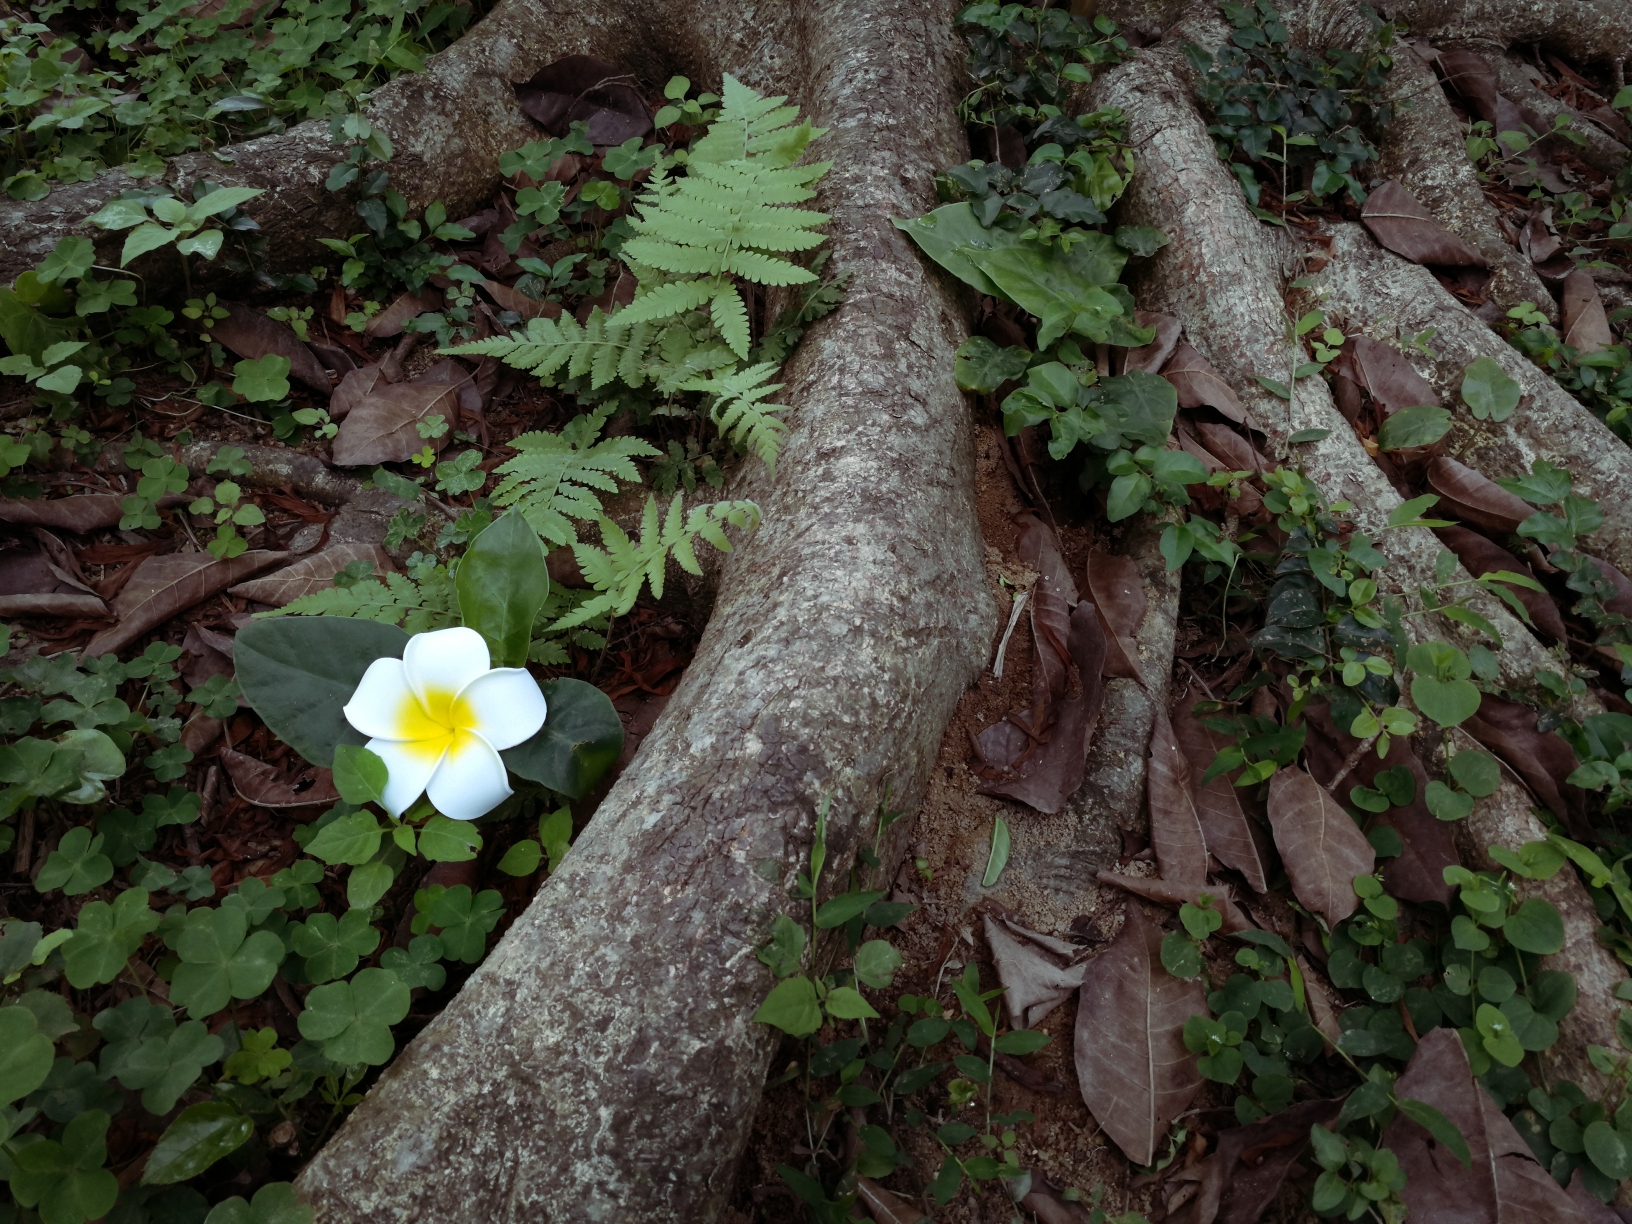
<point x="1232" y="836"/>
<point x="380" y="427"/>
<point x="1542" y="759"/>
<point x="252" y="335"/>
<point x="164" y="586"/>
<point x="581" y="88"/>
<point x="1593" y="1211"/>
<point x="1504" y="1183"/>
<point x="1177" y="893"/>
<point x="1118" y="592"/>
<point x="1622" y="600"/>
<point x="261" y="784"/>
<point x="507" y="298"/>
<point x="1322" y="847"/>
<point x="1471" y="497"/>
<point x="1248" y="505"/>
<point x="314" y="572"/>
<point x="1175" y="826"/>
<point x="1053" y="598"/>
<point x="406" y="308"/>
<point x="1321" y="1012"/>
<point x="1197" y="384"/>
<point x="208" y="654"/>
<point x="1240" y="454"/>
<point x="1153" y="356"/>
<point x="334" y="359"/>
<point x="1539" y="243"/>
<point x="1045" y="1201"/>
<point x="81" y="513"/>
<point x="1404" y="226"/>
<point x="1480" y="556"/>
<point x="1134" y="1072"/>
<point x="1250" y="1163"/>
<point x="200" y="732"/>
<point x="1390" y="377"/>
<point x="1035" y="981"/>
<point x="71" y="605"/>
<point x="62" y="560"/>
<point x="354" y="388"/>
<point x="884" y="1207"/>
<point x="1472" y="76"/>
<point x="1586" y="327"/>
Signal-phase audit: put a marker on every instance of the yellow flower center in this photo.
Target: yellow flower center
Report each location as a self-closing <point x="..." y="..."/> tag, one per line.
<point x="442" y="723"/>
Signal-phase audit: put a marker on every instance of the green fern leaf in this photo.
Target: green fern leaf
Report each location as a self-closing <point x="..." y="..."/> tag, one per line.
<point x="430" y="604"/>
<point x="668" y="300"/>
<point x="559" y="477"/>
<point x="731" y="320"/>
<point x="745" y="422"/>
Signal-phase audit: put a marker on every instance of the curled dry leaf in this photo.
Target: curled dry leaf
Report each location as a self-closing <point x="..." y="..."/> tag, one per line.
<point x="80" y="513"/>
<point x="1390" y="377"/>
<point x="1586" y="327"/>
<point x="405" y="309"/>
<point x="1321" y="1012"/>
<point x="252" y="335"/>
<point x="1118" y="591"/>
<point x="1197" y="384"/>
<point x="380" y="427"/>
<point x="884" y="1207"/>
<point x="1475" y="499"/>
<point x="1322" y="847"/>
<point x="1036" y="977"/>
<point x="72" y="605"/>
<point x="1175" y="826"/>
<point x="354" y="388"/>
<point x="1250" y="1163"/>
<point x="1473" y="78"/>
<point x="1542" y="759"/>
<point x="1153" y="356"/>
<point x="1536" y="240"/>
<point x="581" y="88"/>
<point x="207" y="653"/>
<point x="1169" y="892"/>
<point x="1134" y="1072"/>
<point x="1480" y="556"/>
<point x="1399" y="222"/>
<point x="1232" y="836"/>
<point x="1504" y="1182"/>
<point x="507" y="298"/>
<point x="160" y="587"/>
<point x="314" y="572"/>
<point x="264" y="786"/>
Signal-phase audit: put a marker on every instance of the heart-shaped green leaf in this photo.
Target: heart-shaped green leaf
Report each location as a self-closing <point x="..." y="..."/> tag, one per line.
<point x="1447" y="702"/>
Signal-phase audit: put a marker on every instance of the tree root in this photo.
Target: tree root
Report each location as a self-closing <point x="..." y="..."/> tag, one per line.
<point x="1602" y="151"/>
<point x="1377" y="292"/>
<point x="602" y="1062"/>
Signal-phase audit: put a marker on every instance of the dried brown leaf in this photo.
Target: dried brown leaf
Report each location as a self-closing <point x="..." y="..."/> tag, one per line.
<point x="1592" y="1210"/>
<point x="1480" y="556"/>
<point x="1390" y="377"/>
<point x="1172" y="893"/>
<point x="80" y="513"/>
<point x="884" y="1207"/>
<point x="583" y="88"/>
<point x="1504" y="1184"/>
<point x="1152" y="357"/>
<point x="252" y="335"/>
<point x="208" y="653"/>
<point x="164" y="586"/>
<point x="1538" y="242"/>
<point x="1586" y="327"/>
<point x="354" y="388"/>
<point x="314" y="572"/>
<point x="1474" y="499"/>
<point x="264" y="786"/>
<point x="1472" y="76"/>
<point x="1322" y="847"/>
<point x="407" y="307"/>
<point x="1250" y="1163"/>
<point x="1399" y="222"/>
<point x="1118" y="591"/>
<point x="1035" y="981"/>
<point x="1175" y="826"/>
<point x="1197" y="383"/>
<point x="1321" y="1012"/>
<point x="1134" y="1072"/>
<point x="1052" y="599"/>
<point x="1542" y="759"/>
<point x="1238" y="453"/>
<point x="1232" y="836"/>
<point x="380" y="428"/>
<point x="507" y="298"/>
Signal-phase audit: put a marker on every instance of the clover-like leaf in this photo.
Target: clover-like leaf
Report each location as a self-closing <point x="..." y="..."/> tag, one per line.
<point x="263" y="379"/>
<point x="417" y="964"/>
<point x="107" y="936"/>
<point x="219" y="963"/>
<point x="77" y="865"/>
<point x="25" y="1054"/>
<point x="464" y="919"/>
<point x="333" y="946"/>
<point x="66" y="1180"/>
<point x="273" y="1204"/>
<point x="1488" y="391"/>
<point x="353" y="1019"/>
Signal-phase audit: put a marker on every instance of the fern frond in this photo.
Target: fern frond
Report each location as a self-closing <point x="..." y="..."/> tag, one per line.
<point x="428" y="605"/>
<point x="665" y="301"/>
<point x="604" y="348"/>
<point x="559" y="477"/>
<point x="731" y="320"/>
<point x="622" y="566"/>
<point x="738" y="413"/>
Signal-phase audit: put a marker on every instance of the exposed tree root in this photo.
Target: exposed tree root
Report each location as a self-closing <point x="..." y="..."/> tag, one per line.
<point x="1602" y="151"/>
<point x="602" y="1063"/>
<point x="1376" y="292"/>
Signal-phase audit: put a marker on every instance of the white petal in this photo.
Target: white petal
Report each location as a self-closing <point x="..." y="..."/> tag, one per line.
<point x="375" y="708"/>
<point x="441" y="663"/>
<point x="411" y="766"/>
<point x="471" y="780"/>
<point x="505" y="706"/>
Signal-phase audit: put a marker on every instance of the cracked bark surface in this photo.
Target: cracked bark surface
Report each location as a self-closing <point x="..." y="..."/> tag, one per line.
<point x="602" y="1063"/>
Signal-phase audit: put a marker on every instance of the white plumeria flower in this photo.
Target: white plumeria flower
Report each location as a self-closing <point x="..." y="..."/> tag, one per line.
<point x="439" y="717"/>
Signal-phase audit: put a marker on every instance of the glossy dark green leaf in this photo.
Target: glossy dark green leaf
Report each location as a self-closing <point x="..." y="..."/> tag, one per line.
<point x="951" y="230"/>
<point x="580" y="739"/>
<point x="983" y="367"/>
<point x="200" y="1136"/>
<point x="298" y="672"/>
<point x="502" y="583"/>
<point x="1413" y="427"/>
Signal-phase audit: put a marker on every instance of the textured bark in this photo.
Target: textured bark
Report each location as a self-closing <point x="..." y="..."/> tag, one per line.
<point x="1602" y="151"/>
<point x="449" y="124"/>
<point x="1377" y="293"/>
<point x="602" y="1062"/>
